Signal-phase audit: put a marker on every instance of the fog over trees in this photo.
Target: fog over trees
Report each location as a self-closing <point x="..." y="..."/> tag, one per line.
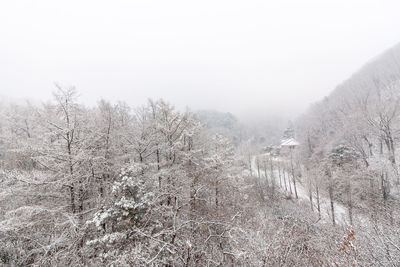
<point x="199" y="133"/>
<point x="115" y="185"/>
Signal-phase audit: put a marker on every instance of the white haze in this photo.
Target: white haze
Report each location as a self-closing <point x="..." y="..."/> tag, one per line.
<point x="246" y="57"/>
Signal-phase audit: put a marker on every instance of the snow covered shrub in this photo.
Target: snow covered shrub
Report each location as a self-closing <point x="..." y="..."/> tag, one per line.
<point x="131" y="201"/>
<point x="125" y="226"/>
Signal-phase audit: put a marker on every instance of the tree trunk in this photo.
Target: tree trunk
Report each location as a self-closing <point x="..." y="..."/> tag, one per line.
<point x="310" y="195"/>
<point x="71" y="172"/>
<point x="290" y="186"/>
<point x="318" y="204"/>
<point x="216" y="193"/>
<point x="272" y="177"/>
<point x="284" y="178"/>
<point x="158" y="167"/>
<point x="265" y="172"/>
<point x="349" y="202"/>
<point x="330" y="190"/>
<point x="72" y="197"/>
<point x="279" y="173"/>
<point x="251" y="172"/>
<point x="293" y="175"/>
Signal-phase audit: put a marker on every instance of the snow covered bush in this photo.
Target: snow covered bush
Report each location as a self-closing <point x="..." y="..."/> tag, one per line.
<point x="131" y="199"/>
<point x="124" y="227"/>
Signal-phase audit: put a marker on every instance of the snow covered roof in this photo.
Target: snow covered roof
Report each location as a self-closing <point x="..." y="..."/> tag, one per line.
<point x="289" y="142"/>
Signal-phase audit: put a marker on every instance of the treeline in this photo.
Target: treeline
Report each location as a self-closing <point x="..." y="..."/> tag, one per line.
<point x="103" y="185"/>
<point x="151" y="186"/>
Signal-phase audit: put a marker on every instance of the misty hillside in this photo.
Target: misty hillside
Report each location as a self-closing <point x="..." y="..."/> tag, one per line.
<point x="380" y="72"/>
<point x="116" y="185"/>
<point x="350" y="151"/>
<point x="223" y="123"/>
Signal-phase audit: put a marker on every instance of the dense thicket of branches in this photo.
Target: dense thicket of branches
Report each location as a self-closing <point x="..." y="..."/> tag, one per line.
<point x="111" y="186"/>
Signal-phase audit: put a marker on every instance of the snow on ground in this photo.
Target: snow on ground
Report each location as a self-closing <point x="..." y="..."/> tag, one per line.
<point x="341" y="214"/>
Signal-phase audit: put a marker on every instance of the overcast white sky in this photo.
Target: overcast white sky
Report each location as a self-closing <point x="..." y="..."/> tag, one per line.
<point x="238" y="56"/>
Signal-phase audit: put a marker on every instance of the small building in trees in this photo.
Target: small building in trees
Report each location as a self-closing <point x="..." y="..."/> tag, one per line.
<point x="288" y="145"/>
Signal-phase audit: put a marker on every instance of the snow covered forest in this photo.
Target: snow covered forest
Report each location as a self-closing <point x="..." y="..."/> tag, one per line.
<point x="114" y="185"/>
